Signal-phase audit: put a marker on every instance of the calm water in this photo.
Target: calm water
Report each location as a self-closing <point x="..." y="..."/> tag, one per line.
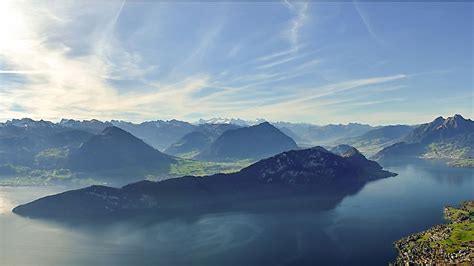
<point x="358" y="231"/>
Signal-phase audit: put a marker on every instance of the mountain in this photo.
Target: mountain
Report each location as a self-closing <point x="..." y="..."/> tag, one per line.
<point x="23" y="141"/>
<point x="191" y="143"/>
<point x="441" y="129"/>
<point x="375" y="140"/>
<point x="196" y="141"/>
<point x="233" y="121"/>
<point x="254" y="142"/>
<point x="450" y="139"/>
<point x="308" y="134"/>
<point x="158" y="134"/>
<point x="93" y="126"/>
<point x="115" y="148"/>
<point x="291" y="134"/>
<point x="162" y="134"/>
<point x="312" y="178"/>
<point x="304" y="134"/>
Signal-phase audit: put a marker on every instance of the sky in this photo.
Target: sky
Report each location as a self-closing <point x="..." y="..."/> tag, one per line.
<point x="315" y="62"/>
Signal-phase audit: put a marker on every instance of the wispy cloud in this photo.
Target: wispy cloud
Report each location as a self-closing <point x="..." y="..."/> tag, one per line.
<point x="366" y="21"/>
<point x="19" y="72"/>
<point x="305" y="102"/>
<point x="281" y="53"/>
<point x="160" y="60"/>
<point x="282" y="61"/>
<point x="234" y="50"/>
<point x="206" y="42"/>
<point x="300" y="13"/>
<point x="59" y="83"/>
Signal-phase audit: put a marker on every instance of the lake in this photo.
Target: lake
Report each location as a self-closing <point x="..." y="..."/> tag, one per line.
<point x="360" y="230"/>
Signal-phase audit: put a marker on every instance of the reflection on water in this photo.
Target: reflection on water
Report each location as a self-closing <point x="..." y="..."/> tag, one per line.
<point x="358" y="231"/>
<point x="5" y="204"/>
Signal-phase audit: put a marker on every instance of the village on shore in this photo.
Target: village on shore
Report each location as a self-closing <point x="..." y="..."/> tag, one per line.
<point x="451" y="243"/>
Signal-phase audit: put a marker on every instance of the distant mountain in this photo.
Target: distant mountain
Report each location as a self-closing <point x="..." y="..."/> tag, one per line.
<point x="387" y="133"/>
<point x="93" y="126"/>
<point x="114" y="148"/>
<point x="159" y="134"/>
<point x="23" y="141"/>
<point x="304" y="134"/>
<point x="195" y="142"/>
<point x="450" y="139"/>
<point x="292" y="135"/>
<point x="162" y="134"/>
<point x="312" y="178"/>
<point x="254" y="142"/>
<point x="308" y="134"/>
<point x="375" y="140"/>
<point x="192" y="143"/>
<point x="233" y="121"/>
<point x="28" y="123"/>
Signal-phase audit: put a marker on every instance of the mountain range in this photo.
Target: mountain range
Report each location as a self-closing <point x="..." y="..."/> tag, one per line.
<point x="450" y="139"/>
<point x="312" y="177"/>
<point x="309" y="135"/>
<point x="158" y="134"/>
<point x="233" y="121"/>
<point x="25" y="141"/>
<point x="29" y="147"/>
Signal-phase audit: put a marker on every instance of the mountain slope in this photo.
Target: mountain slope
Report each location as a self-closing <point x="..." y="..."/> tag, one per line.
<point x="22" y="140"/>
<point x="191" y="143"/>
<point x="158" y="134"/>
<point x="196" y="141"/>
<point x="375" y="140"/>
<point x="254" y="142"/>
<point x="313" y="178"/>
<point x="450" y="139"/>
<point x="116" y="148"/>
<point x="308" y="134"/>
<point x="441" y="129"/>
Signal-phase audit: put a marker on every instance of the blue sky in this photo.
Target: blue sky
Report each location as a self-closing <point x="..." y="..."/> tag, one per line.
<point x="318" y="62"/>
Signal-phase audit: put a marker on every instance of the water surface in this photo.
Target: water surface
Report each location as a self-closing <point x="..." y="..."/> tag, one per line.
<point x="358" y="231"/>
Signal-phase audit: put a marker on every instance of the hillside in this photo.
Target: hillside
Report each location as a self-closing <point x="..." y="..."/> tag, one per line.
<point x="375" y="140"/>
<point x="23" y="141"/>
<point x="194" y="142"/>
<point x="450" y="140"/>
<point x="254" y="142"/>
<point x="310" y="135"/>
<point x="115" y="148"/>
